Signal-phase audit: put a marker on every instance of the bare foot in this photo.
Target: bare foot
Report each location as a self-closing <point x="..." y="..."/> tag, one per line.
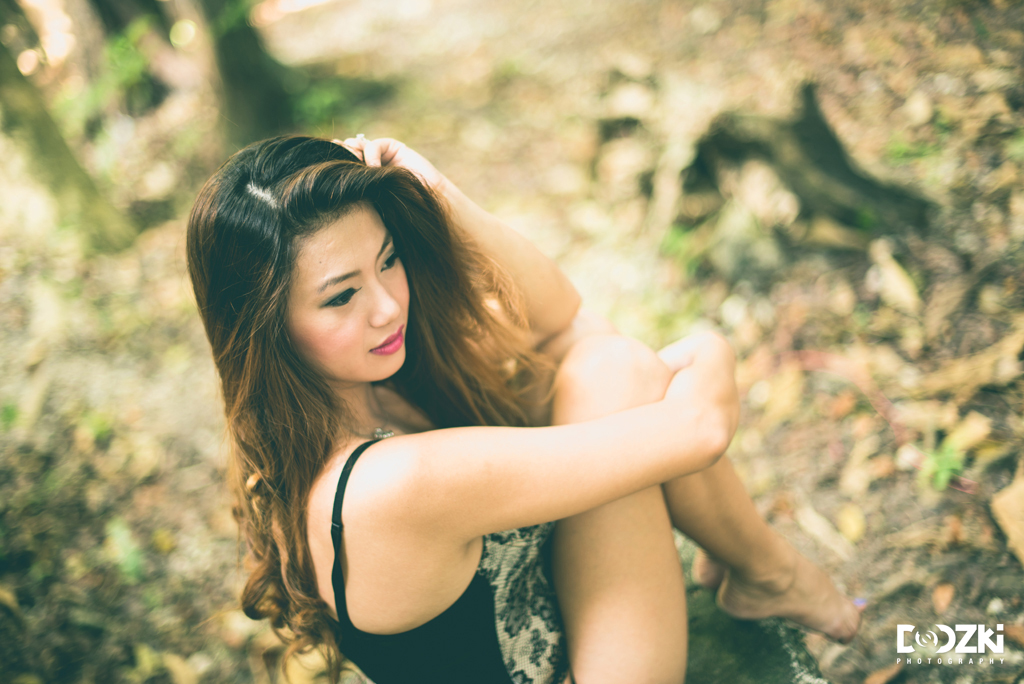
<point x="706" y="571"/>
<point x="807" y="597"/>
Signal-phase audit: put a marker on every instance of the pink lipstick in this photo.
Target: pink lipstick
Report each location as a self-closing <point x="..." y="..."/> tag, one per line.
<point x="391" y="344"/>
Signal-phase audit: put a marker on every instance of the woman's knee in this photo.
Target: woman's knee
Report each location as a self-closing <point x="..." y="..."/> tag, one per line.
<point x="613" y="365"/>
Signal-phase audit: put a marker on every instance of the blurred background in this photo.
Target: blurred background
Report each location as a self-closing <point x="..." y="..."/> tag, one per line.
<point x="837" y="185"/>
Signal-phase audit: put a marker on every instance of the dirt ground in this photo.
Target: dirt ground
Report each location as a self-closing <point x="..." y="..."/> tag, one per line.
<point x="669" y="156"/>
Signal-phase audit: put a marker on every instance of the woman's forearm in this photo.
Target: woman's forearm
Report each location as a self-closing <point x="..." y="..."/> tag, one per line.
<point x="550" y="298"/>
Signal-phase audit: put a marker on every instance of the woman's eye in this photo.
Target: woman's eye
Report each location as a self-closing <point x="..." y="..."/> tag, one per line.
<point x="390" y="261"/>
<point x="343" y="298"/>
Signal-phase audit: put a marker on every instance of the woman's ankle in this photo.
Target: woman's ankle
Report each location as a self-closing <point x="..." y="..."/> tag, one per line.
<point x="774" y="572"/>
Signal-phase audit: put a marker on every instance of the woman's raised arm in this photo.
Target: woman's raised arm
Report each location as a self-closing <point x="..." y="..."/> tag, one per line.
<point x="551" y="300"/>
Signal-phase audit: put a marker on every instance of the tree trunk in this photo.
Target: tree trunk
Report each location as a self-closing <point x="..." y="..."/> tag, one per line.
<point x="25" y="122"/>
<point x="256" y="103"/>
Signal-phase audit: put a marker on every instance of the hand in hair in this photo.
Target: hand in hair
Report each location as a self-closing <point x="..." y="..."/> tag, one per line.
<point x="391" y="152"/>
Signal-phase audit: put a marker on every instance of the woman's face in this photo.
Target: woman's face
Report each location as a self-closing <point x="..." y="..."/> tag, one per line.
<point x="348" y="306"/>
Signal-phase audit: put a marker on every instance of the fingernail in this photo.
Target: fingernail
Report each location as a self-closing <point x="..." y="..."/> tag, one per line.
<point x="860" y="602"/>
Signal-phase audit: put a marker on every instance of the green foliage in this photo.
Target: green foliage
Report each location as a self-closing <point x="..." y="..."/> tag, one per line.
<point x="124" y="550"/>
<point x="124" y="77"/>
<point x="866" y="219"/>
<point x="678" y="244"/>
<point x="8" y="414"/>
<point x="980" y="28"/>
<point x="99" y="425"/>
<point x="325" y="101"/>
<point x="126" y="64"/>
<point x="900" y="150"/>
<point x="233" y="14"/>
<point x="1015" y="148"/>
<point x="940" y="466"/>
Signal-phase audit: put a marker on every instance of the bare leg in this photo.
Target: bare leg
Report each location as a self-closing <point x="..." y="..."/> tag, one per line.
<point x="617" y="574"/>
<point x="760" y="573"/>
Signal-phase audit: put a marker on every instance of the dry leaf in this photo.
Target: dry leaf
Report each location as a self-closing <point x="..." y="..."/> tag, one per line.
<point x="881" y="467"/>
<point x="856" y="477"/>
<point x="909" y="457"/>
<point x="896" y="288"/>
<point x="1015" y="632"/>
<point x="842" y="405"/>
<point x="991" y="451"/>
<point x="925" y="416"/>
<point x="885" y="675"/>
<point x="922" y="533"/>
<point x="786" y="392"/>
<point x="942" y="596"/>
<point x="181" y="672"/>
<point x="826" y="232"/>
<point x="850" y="521"/>
<point x="945" y="298"/>
<point x="971" y="431"/>
<point x="1008" y="510"/>
<point x="10" y="601"/>
<point x="997" y="365"/>
<point x="954" y="530"/>
<point x="818" y="526"/>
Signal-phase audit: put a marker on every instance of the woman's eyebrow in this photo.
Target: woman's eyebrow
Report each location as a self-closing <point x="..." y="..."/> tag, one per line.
<point x="337" y="279"/>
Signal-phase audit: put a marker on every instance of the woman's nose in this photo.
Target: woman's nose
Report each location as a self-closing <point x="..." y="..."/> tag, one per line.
<point x="386" y="308"/>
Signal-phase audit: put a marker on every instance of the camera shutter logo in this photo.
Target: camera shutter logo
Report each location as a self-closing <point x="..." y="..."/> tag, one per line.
<point x="966" y="643"/>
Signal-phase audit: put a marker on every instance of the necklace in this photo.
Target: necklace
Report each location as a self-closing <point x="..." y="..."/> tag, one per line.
<point x="381" y="432"/>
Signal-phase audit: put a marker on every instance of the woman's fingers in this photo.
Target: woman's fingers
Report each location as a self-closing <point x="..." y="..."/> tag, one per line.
<point x="391" y="152"/>
<point x="353" y="145"/>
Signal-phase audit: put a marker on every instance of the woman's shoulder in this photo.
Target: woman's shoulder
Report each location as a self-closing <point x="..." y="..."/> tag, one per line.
<point x="379" y="473"/>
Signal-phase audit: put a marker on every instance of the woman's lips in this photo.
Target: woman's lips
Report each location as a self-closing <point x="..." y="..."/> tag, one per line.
<point x="391" y="345"/>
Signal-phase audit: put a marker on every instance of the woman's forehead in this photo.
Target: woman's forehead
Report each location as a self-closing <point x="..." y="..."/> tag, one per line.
<point x="346" y="244"/>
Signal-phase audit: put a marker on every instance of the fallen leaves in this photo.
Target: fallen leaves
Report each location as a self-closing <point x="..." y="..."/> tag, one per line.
<point x="942" y="596"/>
<point x="885" y="675"/>
<point x="1015" y="632"/>
<point x="963" y="376"/>
<point x="892" y="283"/>
<point x="819" y="527"/>
<point x="851" y="523"/>
<point x="786" y="391"/>
<point x="1008" y="510"/>
<point x="970" y="432"/>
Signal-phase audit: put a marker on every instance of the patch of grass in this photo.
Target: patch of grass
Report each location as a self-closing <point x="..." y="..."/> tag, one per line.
<point x="124" y="550"/>
<point x="866" y="219"/>
<point x="980" y="28"/>
<point x="900" y="150"/>
<point x="1015" y="148"/>
<point x="8" y="414"/>
<point x="99" y="425"/>
<point x="678" y="244"/>
<point x="940" y="466"/>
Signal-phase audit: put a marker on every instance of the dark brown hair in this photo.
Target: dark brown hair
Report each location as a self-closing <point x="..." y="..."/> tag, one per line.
<point x="467" y="360"/>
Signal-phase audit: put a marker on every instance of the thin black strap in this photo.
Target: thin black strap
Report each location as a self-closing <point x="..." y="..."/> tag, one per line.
<point x="340" y="494"/>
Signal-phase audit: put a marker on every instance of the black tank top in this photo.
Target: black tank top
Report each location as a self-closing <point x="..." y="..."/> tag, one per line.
<point x="459" y="646"/>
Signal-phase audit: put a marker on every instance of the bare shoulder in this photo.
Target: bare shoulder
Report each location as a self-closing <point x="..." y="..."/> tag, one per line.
<point x="378" y="477"/>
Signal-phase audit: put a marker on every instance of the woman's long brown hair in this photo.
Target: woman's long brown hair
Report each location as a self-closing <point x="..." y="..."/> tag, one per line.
<point x="467" y="361"/>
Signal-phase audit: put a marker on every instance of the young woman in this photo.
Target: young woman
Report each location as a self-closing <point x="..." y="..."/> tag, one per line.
<point x="414" y="398"/>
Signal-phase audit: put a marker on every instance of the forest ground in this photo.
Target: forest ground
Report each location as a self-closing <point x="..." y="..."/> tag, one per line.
<point x="880" y="348"/>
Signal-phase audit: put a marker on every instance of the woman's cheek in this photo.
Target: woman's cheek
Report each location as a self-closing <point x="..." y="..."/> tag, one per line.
<point x="340" y="344"/>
